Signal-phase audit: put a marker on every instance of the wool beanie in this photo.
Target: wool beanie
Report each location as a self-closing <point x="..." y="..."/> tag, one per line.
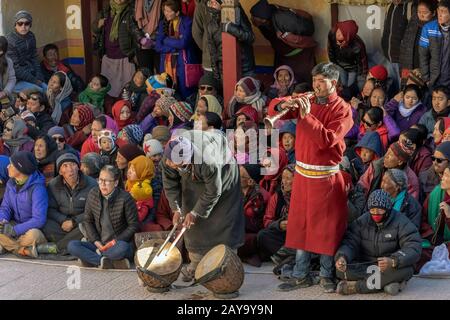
<point x="94" y="162"/>
<point x="25" y="162"/>
<point x="208" y="80"/>
<point x="161" y="133"/>
<point x="182" y="110"/>
<point x="130" y="151"/>
<point x="134" y="133"/>
<point x="164" y="104"/>
<point x="86" y="115"/>
<point x="401" y="151"/>
<point x="158" y="81"/>
<point x="399" y="177"/>
<point x="23" y="14"/>
<point x="254" y="171"/>
<point x="56" y="130"/>
<point x="107" y="134"/>
<point x="66" y="157"/>
<point x="153" y="147"/>
<point x="379" y="199"/>
<point x="379" y="72"/>
<point x="263" y="10"/>
<point x="444" y="148"/>
<point x="179" y="150"/>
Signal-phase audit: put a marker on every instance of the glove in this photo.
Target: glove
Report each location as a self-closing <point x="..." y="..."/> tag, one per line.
<point x="8" y="230"/>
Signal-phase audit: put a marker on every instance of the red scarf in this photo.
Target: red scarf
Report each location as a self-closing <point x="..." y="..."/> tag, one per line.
<point x="59" y="66"/>
<point x="116" y="114"/>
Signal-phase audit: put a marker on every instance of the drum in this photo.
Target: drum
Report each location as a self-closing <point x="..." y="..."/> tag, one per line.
<point x="158" y="273"/>
<point x="221" y="271"/>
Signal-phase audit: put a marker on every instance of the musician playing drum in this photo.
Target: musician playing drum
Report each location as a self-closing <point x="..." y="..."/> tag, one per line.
<point x="203" y="189"/>
<point x="318" y="212"/>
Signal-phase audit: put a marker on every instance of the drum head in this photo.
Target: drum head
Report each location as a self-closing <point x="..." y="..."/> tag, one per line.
<point x="161" y="265"/>
<point x="211" y="261"/>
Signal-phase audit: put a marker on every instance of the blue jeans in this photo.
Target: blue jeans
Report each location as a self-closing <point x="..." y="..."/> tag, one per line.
<point x="23" y="85"/>
<point x="86" y="251"/>
<point x="302" y="265"/>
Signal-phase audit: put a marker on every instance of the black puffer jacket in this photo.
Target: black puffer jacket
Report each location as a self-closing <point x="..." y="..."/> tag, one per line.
<point x="409" y="55"/>
<point x="412" y="209"/>
<point x="122" y="211"/>
<point x="397" y="238"/>
<point x="62" y="205"/>
<point x="129" y="32"/>
<point x="23" y="53"/>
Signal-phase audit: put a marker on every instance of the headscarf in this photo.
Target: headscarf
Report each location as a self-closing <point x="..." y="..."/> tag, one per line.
<point x="116" y="12"/>
<point x="55" y="100"/>
<point x="19" y="135"/>
<point x="86" y="116"/>
<point x="253" y="97"/>
<point x="213" y="105"/>
<point x="349" y="29"/>
<point x="276" y="85"/>
<point x="145" y="170"/>
<point x="117" y="108"/>
<point x="51" y="148"/>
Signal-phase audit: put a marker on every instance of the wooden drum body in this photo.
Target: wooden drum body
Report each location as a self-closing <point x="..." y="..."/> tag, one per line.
<point x="163" y="270"/>
<point x="221" y="271"/>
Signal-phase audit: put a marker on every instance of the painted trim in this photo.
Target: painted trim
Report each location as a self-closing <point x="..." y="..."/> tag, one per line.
<point x="74" y="60"/>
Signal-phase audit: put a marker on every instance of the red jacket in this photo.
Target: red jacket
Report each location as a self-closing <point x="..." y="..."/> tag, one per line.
<point x="422" y="160"/>
<point x="188" y="9"/>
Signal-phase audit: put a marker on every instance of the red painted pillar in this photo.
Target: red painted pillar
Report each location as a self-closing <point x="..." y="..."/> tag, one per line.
<point x="231" y="58"/>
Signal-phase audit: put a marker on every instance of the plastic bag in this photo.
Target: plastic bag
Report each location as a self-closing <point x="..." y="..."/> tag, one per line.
<point x="439" y="265"/>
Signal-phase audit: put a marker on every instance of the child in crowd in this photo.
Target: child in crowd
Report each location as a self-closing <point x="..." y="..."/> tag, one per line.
<point x="137" y="89"/>
<point x="287" y="140"/>
<point x="368" y="149"/>
<point x="154" y="151"/>
<point x="441" y="108"/>
<point x="139" y="179"/>
<point x="108" y="147"/>
<point x="95" y="93"/>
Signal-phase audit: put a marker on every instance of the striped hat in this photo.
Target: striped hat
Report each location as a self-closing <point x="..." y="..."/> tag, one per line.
<point x="164" y="104"/>
<point x="158" y="81"/>
<point x="134" y="133"/>
<point x="182" y="110"/>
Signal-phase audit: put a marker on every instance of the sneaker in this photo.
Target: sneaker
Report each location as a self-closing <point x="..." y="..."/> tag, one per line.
<point x="295" y="283"/>
<point x="106" y="263"/>
<point x="49" y="247"/>
<point x="346" y="287"/>
<point x="121" y="264"/>
<point x="328" y="285"/>
<point x="28" y="252"/>
<point x="394" y="288"/>
<point x="187" y="274"/>
<point x="85" y="264"/>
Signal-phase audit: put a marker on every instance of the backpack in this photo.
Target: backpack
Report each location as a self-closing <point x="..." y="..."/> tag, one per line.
<point x="294" y="21"/>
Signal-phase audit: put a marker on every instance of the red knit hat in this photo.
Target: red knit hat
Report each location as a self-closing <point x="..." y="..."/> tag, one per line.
<point x="86" y="115"/>
<point x="249" y="85"/>
<point x="401" y="151"/>
<point x="379" y="72"/>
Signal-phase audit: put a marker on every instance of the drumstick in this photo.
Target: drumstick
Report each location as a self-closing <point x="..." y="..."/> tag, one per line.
<point x="174" y="243"/>
<point x="167" y="239"/>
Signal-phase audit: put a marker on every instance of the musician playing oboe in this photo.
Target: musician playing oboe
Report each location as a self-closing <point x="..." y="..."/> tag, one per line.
<point x="318" y="210"/>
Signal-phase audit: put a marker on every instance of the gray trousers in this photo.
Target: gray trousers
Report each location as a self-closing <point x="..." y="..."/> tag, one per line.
<point x="53" y="232"/>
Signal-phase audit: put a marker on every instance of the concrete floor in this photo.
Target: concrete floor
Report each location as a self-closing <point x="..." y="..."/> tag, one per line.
<point x="48" y="280"/>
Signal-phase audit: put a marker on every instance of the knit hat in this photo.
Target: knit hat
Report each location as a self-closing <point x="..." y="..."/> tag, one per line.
<point x="379" y="199"/>
<point x="23" y="14"/>
<point x="56" y="130"/>
<point x="161" y="133"/>
<point x="94" y="162"/>
<point x="254" y="171"/>
<point x="182" y="110"/>
<point x="86" y="115"/>
<point x="159" y="81"/>
<point x="444" y="148"/>
<point x="107" y="134"/>
<point x="416" y="77"/>
<point x="288" y="127"/>
<point x="152" y="147"/>
<point x="249" y="85"/>
<point x="379" y="72"/>
<point x="28" y="116"/>
<point x="130" y="151"/>
<point x="208" y="80"/>
<point x="179" y="150"/>
<point x="401" y="151"/>
<point x="66" y="157"/>
<point x="399" y="177"/>
<point x="164" y="104"/>
<point x="25" y="162"/>
<point x="263" y="10"/>
<point x="134" y="133"/>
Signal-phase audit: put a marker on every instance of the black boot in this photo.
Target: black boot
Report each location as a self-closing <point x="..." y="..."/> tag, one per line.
<point x="47" y="248"/>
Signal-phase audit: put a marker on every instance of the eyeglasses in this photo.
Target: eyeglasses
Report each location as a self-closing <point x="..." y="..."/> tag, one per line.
<point x="368" y="123"/>
<point x="438" y="160"/>
<point x="104" y="181"/>
<point x="23" y="23"/>
<point x="59" y="139"/>
<point x="206" y="88"/>
<point x="22" y="98"/>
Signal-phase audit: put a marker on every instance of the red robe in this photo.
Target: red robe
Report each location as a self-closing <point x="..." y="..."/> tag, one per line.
<point x="318" y="210"/>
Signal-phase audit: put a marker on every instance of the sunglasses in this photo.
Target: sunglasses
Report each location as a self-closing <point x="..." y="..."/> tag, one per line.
<point x="34" y="98"/>
<point x="438" y="160"/>
<point x="368" y="123"/>
<point x="8" y="129"/>
<point x="21" y="23"/>
<point x="206" y="88"/>
<point x="59" y="139"/>
<point x="22" y="99"/>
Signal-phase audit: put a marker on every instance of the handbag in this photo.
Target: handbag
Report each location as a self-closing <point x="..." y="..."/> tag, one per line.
<point x="192" y="72"/>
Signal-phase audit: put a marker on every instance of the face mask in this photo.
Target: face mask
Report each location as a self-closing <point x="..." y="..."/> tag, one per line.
<point x="377" y="218"/>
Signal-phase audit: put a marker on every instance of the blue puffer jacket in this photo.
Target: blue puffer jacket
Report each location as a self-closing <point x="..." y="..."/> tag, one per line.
<point x="371" y="141"/>
<point x="28" y="206"/>
<point x="430" y="45"/>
